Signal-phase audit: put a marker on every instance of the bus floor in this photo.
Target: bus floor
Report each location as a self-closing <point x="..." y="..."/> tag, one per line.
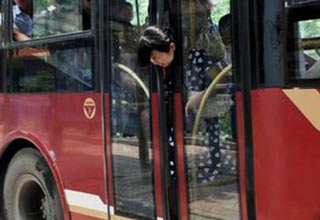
<point x="134" y="190"/>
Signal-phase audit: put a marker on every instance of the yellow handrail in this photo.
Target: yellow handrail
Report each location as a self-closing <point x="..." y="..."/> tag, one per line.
<point x="206" y="95"/>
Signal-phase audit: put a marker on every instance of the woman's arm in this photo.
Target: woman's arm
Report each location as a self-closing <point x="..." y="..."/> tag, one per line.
<point x="193" y="102"/>
<point x="18" y="36"/>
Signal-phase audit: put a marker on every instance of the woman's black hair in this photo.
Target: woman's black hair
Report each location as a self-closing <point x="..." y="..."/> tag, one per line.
<point x="152" y="38"/>
<point x="225" y="22"/>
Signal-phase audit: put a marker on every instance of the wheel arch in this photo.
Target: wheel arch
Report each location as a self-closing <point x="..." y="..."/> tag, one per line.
<point x="11" y="146"/>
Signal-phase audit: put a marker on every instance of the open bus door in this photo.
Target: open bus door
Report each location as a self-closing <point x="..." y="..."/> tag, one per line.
<point x="134" y="153"/>
<point x="205" y="132"/>
<point x="147" y="177"/>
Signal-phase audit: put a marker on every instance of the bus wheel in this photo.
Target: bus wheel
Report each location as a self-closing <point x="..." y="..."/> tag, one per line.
<point x="30" y="192"/>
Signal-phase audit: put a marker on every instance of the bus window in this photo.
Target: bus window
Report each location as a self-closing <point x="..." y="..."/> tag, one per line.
<point x="131" y="130"/>
<point x="303" y="40"/>
<point x="307" y="53"/>
<point x="210" y="137"/>
<point x="39" y="18"/>
<point x="140" y="17"/>
<point x="43" y="70"/>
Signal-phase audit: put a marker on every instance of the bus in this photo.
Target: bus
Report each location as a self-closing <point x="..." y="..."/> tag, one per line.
<point x="87" y="134"/>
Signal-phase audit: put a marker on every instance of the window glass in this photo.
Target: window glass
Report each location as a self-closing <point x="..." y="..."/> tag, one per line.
<point x="131" y="130"/>
<point x="218" y="9"/>
<point x="49" y="70"/>
<point x="305" y="53"/>
<point x="309" y="28"/>
<point x="38" y="18"/>
<point x="210" y="136"/>
<point x="140" y="14"/>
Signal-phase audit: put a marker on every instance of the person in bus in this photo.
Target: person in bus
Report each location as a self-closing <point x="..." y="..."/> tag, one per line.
<point x="204" y="62"/>
<point x="225" y="32"/>
<point x="125" y="31"/>
<point x="86" y="14"/>
<point x="154" y="46"/>
<point x="200" y="71"/>
<point x="22" y="20"/>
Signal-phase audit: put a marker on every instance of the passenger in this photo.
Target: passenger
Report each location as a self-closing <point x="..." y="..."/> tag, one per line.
<point x="86" y="15"/>
<point x="225" y="31"/>
<point x="121" y="23"/>
<point x="198" y="79"/>
<point x="125" y="44"/>
<point x="22" y="20"/>
<point x="206" y="33"/>
<point x="205" y="60"/>
<point x="126" y="12"/>
<point x="155" y="47"/>
<point x="122" y="12"/>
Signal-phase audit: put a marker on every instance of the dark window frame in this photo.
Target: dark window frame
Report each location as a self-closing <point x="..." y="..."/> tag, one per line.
<point x="2" y="63"/>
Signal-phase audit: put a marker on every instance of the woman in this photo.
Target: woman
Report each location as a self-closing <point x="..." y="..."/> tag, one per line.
<point x="154" y="46"/>
<point x="157" y="48"/>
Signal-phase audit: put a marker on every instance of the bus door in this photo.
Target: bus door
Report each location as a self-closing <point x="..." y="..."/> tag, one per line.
<point x="204" y="115"/>
<point x="147" y="180"/>
<point x="134" y="163"/>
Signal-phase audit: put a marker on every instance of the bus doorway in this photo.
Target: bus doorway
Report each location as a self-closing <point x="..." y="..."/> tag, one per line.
<point x="134" y="169"/>
<point x="171" y="154"/>
<point x="205" y="119"/>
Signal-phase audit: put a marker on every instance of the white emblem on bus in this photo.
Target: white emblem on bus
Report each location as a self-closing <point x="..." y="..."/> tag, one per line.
<point x="89" y="108"/>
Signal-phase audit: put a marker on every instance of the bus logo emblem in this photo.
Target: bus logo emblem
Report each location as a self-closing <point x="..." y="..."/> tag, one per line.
<point x="89" y="108"/>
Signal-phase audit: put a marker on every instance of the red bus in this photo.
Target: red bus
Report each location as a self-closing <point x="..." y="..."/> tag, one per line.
<point x="86" y="133"/>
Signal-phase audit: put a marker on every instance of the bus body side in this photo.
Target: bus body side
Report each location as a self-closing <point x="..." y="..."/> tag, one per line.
<point x="56" y="125"/>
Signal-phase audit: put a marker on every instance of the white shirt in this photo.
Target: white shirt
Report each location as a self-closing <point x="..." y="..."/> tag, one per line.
<point x="22" y="21"/>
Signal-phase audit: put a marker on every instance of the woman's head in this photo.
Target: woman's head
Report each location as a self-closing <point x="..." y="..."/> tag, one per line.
<point x="156" y="47"/>
<point x="25" y="5"/>
<point x="225" y="29"/>
<point x="128" y="12"/>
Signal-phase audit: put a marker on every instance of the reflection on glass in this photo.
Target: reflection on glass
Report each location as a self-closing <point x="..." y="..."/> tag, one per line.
<point x="56" y="17"/>
<point x="38" y="18"/>
<point x="305" y="54"/>
<point x="140" y="14"/>
<point x="22" y="13"/>
<point x="44" y="70"/>
<point x="77" y="65"/>
<point x="210" y="136"/>
<point x="131" y="130"/>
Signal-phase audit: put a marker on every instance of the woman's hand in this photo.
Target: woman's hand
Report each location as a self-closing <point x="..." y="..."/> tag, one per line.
<point x="18" y="36"/>
<point x="193" y="102"/>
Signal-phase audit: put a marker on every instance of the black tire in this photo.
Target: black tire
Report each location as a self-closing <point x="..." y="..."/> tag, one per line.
<point x="30" y="192"/>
